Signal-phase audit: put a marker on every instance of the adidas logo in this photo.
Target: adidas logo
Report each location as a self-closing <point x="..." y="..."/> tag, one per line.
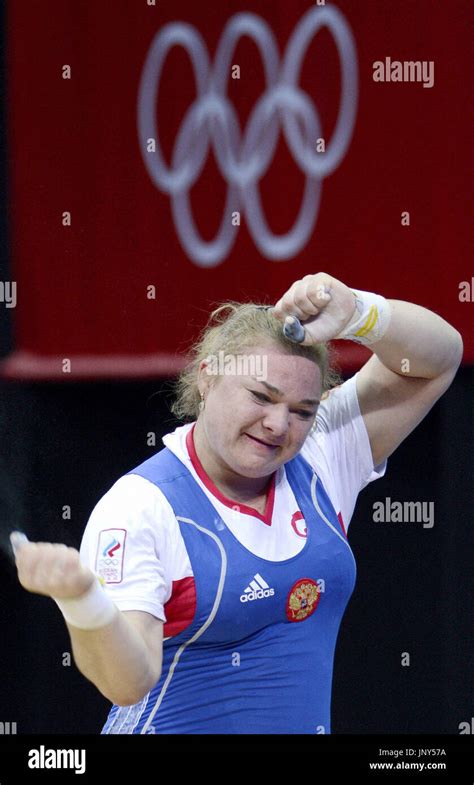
<point x="257" y="589"/>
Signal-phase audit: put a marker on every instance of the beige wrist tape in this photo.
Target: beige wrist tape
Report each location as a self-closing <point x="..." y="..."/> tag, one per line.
<point x="92" y="610"/>
<point x="370" y="320"/>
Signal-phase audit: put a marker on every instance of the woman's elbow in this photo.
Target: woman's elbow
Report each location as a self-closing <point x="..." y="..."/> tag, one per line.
<point x="132" y="695"/>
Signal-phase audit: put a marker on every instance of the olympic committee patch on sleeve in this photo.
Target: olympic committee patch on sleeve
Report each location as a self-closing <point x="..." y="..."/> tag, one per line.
<point x="110" y="553"/>
<point x="303" y="598"/>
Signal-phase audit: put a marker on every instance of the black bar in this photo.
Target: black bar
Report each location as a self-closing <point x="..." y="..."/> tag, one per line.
<point x="326" y="758"/>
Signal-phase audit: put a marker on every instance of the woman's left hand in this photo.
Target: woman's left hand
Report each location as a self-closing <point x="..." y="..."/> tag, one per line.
<point x="323" y="305"/>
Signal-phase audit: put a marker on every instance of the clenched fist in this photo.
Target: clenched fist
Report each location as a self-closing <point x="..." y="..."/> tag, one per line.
<point x="52" y="569"/>
<point x="323" y="305"/>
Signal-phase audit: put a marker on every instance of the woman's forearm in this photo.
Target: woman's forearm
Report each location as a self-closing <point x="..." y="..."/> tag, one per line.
<point x="116" y="659"/>
<point x="418" y="342"/>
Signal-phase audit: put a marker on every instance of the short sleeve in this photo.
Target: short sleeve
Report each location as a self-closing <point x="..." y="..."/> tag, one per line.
<point x="125" y="543"/>
<point x="338" y="448"/>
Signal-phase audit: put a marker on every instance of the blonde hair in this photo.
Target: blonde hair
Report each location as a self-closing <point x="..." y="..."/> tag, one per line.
<point x="231" y="328"/>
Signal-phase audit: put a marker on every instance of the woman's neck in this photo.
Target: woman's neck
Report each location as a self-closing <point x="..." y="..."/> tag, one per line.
<point x="231" y="484"/>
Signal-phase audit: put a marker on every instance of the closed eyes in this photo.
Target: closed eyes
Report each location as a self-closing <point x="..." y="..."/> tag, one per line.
<point x="262" y="398"/>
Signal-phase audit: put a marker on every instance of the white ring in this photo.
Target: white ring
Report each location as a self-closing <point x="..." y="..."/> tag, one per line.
<point x="243" y="159"/>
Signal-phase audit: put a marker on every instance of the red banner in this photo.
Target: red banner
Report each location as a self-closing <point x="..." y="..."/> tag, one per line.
<point x="165" y="156"/>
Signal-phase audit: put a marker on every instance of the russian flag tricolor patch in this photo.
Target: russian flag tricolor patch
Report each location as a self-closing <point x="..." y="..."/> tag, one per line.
<point x="110" y="553"/>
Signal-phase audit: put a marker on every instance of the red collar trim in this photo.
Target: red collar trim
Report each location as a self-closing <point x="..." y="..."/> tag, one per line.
<point x="267" y="515"/>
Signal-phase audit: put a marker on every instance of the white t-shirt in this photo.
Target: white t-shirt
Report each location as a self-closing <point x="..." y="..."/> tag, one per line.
<point x="133" y="540"/>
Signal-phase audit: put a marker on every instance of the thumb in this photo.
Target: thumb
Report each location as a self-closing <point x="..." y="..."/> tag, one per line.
<point x="294" y="330"/>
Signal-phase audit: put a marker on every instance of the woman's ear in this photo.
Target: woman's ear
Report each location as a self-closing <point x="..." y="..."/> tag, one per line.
<point x="204" y="376"/>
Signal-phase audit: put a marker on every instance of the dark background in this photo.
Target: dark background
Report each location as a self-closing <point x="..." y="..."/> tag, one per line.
<point x="66" y="444"/>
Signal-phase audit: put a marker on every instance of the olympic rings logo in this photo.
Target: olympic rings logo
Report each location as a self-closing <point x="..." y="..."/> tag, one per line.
<point x="243" y="159"/>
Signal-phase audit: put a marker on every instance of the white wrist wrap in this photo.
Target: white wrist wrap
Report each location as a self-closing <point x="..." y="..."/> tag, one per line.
<point x="92" y="610"/>
<point x="370" y="320"/>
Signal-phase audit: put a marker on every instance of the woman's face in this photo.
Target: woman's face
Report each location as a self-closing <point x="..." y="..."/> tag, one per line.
<point x="253" y="422"/>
